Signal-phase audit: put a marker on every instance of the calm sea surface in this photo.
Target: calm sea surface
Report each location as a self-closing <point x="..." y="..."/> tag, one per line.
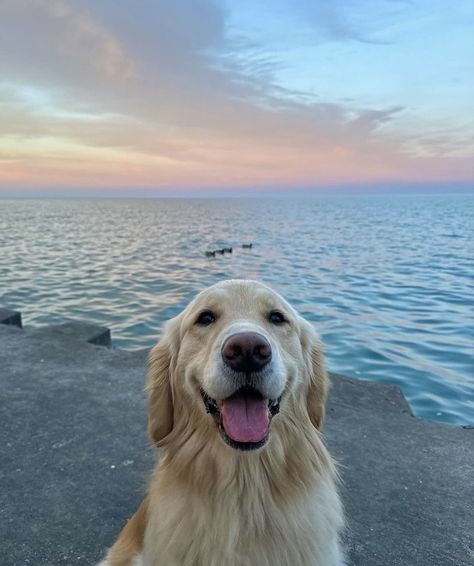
<point x="387" y="280"/>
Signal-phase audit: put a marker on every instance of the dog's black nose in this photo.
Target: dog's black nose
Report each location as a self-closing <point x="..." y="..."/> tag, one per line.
<point x="246" y="352"/>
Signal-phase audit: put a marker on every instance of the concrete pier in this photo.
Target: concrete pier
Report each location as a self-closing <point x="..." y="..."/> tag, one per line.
<point x="75" y="457"/>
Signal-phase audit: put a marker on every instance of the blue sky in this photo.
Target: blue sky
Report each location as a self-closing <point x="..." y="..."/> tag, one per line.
<point x="414" y="56"/>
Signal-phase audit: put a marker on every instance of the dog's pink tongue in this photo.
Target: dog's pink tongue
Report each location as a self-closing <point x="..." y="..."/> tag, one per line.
<point x="245" y="419"/>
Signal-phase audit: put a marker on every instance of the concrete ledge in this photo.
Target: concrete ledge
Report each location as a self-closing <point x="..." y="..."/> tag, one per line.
<point x="9" y="317"/>
<point x="75" y="458"/>
<point x="74" y="331"/>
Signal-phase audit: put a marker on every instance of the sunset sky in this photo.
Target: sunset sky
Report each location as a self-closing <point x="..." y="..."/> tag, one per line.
<point x="202" y="95"/>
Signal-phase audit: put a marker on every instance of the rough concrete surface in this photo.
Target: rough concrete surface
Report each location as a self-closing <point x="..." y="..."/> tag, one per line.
<point x="75" y="457"/>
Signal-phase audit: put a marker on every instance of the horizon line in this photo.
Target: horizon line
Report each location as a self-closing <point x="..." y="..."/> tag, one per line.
<point x="238" y="192"/>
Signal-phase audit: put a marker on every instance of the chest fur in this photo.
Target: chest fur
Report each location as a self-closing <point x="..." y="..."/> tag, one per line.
<point x="238" y="528"/>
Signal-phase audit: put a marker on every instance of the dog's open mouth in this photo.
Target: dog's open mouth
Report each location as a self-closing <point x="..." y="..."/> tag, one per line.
<point x="243" y="418"/>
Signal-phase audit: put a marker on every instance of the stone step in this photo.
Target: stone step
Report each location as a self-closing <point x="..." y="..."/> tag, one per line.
<point x="75" y="457"/>
<point x="10" y="317"/>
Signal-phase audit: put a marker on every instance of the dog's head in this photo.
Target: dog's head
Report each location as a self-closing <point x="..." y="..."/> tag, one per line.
<point x="231" y="361"/>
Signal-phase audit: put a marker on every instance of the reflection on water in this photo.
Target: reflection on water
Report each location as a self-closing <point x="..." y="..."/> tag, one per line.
<point x="387" y="280"/>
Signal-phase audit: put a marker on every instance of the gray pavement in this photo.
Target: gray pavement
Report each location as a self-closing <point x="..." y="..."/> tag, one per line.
<point x="75" y="457"/>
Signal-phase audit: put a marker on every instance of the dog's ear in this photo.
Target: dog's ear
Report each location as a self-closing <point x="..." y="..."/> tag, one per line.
<point x="318" y="383"/>
<point x="318" y="386"/>
<point x="160" y="397"/>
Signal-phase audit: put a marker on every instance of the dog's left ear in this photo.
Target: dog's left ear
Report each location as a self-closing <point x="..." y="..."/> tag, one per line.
<point x="318" y="384"/>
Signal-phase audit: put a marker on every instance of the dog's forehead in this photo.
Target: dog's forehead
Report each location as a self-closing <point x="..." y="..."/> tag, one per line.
<point x="239" y="295"/>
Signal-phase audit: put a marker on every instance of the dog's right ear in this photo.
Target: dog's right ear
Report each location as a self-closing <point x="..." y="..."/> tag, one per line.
<point x="160" y="397"/>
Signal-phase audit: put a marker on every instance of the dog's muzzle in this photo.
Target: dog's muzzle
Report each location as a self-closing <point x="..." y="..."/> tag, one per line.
<point x="244" y="417"/>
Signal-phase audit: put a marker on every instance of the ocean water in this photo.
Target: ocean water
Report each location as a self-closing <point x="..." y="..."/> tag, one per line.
<point x="387" y="280"/>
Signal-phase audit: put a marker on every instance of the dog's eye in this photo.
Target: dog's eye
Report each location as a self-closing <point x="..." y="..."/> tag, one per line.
<point x="206" y="318"/>
<point x="276" y="317"/>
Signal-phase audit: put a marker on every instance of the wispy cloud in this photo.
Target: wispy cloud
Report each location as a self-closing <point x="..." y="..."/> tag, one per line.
<point x="346" y="20"/>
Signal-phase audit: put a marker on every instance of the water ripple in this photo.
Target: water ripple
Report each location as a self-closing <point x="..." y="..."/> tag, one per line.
<point x="388" y="281"/>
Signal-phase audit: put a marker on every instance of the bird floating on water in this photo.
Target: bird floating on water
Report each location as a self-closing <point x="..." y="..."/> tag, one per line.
<point x="222" y="251"/>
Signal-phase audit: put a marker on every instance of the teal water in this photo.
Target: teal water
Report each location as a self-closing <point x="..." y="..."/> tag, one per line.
<point x="387" y="280"/>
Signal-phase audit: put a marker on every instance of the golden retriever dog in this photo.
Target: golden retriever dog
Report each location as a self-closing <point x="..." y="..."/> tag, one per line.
<point x="236" y="388"/>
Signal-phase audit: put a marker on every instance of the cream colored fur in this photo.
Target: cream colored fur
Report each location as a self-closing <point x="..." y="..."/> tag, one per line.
<point x="209" y="504"/>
